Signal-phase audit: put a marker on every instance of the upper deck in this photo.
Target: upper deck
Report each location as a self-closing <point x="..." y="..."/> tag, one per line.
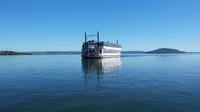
<point x="108" y="44"/>
<point x="97" y="43"/>
<point x="101" y="44"/>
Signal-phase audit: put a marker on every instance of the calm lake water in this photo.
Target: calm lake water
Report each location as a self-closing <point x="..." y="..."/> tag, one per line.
<point x="132" y="83"/>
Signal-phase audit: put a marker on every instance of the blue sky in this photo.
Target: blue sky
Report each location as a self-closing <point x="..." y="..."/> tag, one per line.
<point x="59" y="25"/>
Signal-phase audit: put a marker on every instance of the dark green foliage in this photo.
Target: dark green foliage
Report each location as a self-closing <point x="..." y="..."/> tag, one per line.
<point x="13" y="53"/>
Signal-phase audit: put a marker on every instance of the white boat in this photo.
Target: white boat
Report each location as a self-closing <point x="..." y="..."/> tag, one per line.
<point x="99" y="49"/>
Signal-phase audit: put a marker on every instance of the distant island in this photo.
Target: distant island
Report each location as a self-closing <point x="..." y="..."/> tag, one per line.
<point x="164" y="51"/>
<point x="14" y="53"/>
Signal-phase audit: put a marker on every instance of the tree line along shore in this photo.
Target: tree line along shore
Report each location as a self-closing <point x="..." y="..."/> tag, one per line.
<point x="157" y="51"/>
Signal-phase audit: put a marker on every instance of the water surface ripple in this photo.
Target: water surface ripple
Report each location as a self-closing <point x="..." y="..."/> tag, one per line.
<point x="133" y="83"/>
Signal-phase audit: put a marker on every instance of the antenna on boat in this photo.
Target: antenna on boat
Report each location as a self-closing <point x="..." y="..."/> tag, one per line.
<point x="85" y="37"/>
<point x="117" y="41"/>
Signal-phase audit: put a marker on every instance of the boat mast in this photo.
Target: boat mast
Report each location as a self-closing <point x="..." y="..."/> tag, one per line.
<point x="98" y="36"/>
<point x="85" y="37"/>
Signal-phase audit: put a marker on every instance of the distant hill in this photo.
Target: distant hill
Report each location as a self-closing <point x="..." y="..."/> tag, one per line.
<point x="164" y="51"/>
<point x="13" y="53"/>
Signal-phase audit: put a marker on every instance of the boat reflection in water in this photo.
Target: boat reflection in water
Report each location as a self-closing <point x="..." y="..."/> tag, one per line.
<point x="100" y="68"/>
